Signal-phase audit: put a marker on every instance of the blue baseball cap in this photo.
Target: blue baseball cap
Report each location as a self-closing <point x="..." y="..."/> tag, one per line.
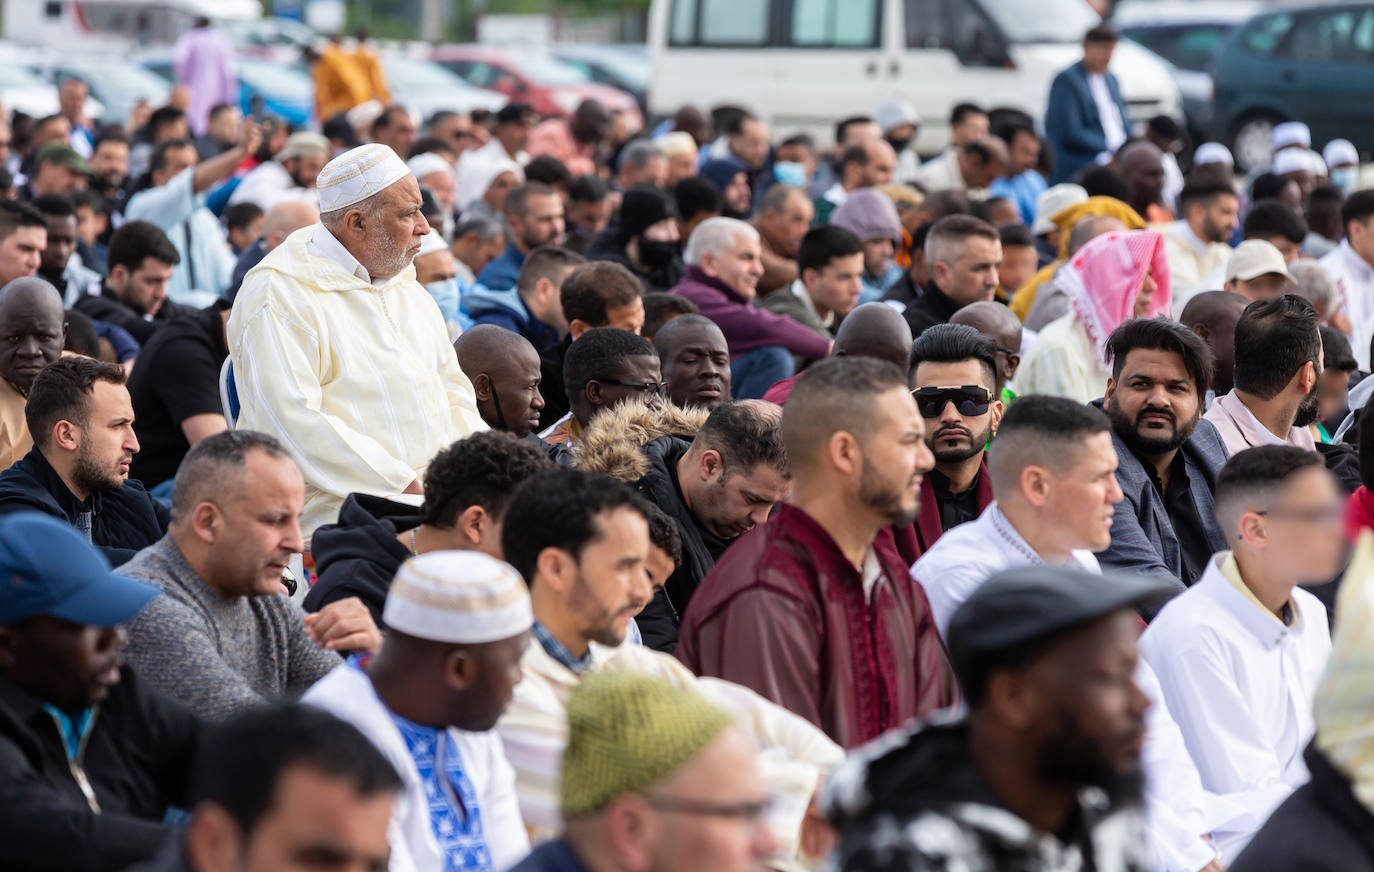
<point x="46" y="568"/>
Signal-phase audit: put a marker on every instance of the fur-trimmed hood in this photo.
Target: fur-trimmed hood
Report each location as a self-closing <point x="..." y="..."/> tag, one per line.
<point x="614" y="441"/>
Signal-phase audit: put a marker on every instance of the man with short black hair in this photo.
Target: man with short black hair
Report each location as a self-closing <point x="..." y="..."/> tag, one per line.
<point x="1198" y="243"/>
<point x="81" y="420"/>
<point x="61" y="266"/>
<point x="866" y="163"/>
<point x="1352" y="265"/>
<point x="614" y="366"/>
<point x="589" y="211"/>
<point x="778" y="611"/>
<point x="510" y="133"/>
<point x="695" y="361"/>
<point x="1086" y="118"/>
<point x="534" y="213"/>
<point x="505" y="373"/>
<point x="1277" y="224"/>
<point x="1239" y="654"/>
<point x="395" y="128"/>
<point x="1020" y="260"/>
<point x="142" y="261"/>
<point x="1277" y="375"/>
<point x="92" y="759"/>
<point x="967" y="123"/>
<point x="830" y="269"/>
<point x="953" y="376"/>
<point x="530" y="305"/>
<point x="467" y="486"/>
<point x="963" y="254"/>
<point x="286" y="781"/>
<point x="1168" y="456"/>
<point x="717" y="485"/>
<point x="971" y="167"/>
<point x="23" y="239"/>
<point x="222" y="638"/>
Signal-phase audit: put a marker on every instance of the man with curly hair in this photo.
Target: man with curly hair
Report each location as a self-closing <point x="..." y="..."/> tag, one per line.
<point x="466" y="488"/>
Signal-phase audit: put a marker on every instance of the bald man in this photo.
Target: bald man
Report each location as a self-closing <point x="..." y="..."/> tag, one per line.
<point x="504" y="369"/>
<point x="872" y="330"/>
<point x="1141" y="164"/>
<point x="997" y="322"/>
<point x="33" y="327"/>
<point x="281" y="221"/>
<point x="1213" y="316"/>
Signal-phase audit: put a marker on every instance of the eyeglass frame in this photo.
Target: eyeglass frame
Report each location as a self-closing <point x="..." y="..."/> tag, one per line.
<point x="658" y="389"/>
<point x="748" y="812"/>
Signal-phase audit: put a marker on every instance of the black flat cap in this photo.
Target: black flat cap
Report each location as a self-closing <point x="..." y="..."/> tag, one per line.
<point x="1023" y="605"/>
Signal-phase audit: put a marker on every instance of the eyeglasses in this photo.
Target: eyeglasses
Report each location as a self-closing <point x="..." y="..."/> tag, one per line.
<point x="1008" y="350"/>
<point x="653" y="388"/>
<point x="970" y="400"/>
<point x="749" y="812"/>
<point x="1334" y="514"/>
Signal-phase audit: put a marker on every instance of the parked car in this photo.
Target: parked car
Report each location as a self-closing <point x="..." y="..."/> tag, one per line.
<point x="763" y="54"/>
<point x="551" y="87"/>
<point x="1311" y="63"/>
<point x="1187" y="34"/>
<point x="118" y="84"/>
<point x="426" y="87"/>
<point x="265" y="87"/>
<point x="610" y="65"/>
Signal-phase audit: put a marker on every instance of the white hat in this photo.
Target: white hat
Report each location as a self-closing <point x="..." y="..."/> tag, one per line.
<point x="431" y="242"/>
<point x="1316" y="164"/>
<point x="1340" y="152"/>
<point x="676" y="142"/>
<point x="1291" y="160"/>
<point x="1051" y="202"/>
<point x="429" y="162"/>
<point x="894" y="112"/>
<point x="1292" y="133"/>
<point x="1254" y="258"/>
<point x="302" y="143"/>
<point x="461" y="597"/>
<point x="357" y="174"/>
<point x="1211" y="153"/>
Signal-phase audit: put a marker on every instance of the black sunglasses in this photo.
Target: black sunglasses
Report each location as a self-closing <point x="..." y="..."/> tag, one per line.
<point x="653" y="388"/>
<point x="970" y="400"/>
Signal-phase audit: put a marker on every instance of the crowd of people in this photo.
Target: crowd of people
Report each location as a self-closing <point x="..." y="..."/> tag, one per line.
<point x="502" y="493"/>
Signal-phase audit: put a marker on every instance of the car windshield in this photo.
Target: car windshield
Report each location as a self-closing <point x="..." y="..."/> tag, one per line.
<point x="1042" y="20"/>
<point x="549" y="71"/>
<point x="281" y="81"/>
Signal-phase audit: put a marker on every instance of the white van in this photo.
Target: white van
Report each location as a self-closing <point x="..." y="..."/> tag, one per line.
<point x="805" y="64"/>
<point x="112" y="25"/>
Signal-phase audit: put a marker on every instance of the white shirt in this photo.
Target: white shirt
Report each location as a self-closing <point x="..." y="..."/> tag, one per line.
<point x="494" y="150"/>
<point x="349" y="694"/>
<point x="1240" y="683"/>
<point x="941" y="173"/>
<point x="1191" y="262"/>
<point x="268" y="184"/>
<point x="1356" y="279"/>
<point x="1113" y="127"/>
<point x="1178" y="811"/>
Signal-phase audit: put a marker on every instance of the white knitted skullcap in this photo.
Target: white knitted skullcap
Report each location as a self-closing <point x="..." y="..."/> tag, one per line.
<point x="1291" y="160"/>
<point x="1291" y="133"/>
<point x="429" y="162"/>
<point x="431" y="242"/>
<point x="1213" y="152"/>
<point x="357" y="174"/>
<point x="462" y="597"/>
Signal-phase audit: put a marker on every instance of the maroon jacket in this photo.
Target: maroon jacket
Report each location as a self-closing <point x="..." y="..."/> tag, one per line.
<point x="783" y="612"/>
<point x="745" y="327"/>
<point x="929" y="527"/>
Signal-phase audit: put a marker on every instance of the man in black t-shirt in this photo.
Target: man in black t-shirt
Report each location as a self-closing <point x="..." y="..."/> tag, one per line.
<point x="175" y="391"/>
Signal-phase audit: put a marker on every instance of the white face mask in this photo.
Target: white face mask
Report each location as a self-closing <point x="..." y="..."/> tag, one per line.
<point x="445" y="293"/>
<point x="1345" y="178"/>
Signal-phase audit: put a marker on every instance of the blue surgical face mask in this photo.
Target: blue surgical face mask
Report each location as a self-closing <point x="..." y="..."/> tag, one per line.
<point x="1345" y="178"/>
<point x="790" y="173"/>
<point x="445" y="293"/>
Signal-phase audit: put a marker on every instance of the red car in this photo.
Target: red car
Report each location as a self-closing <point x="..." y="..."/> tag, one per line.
<point x="552" y="87"/>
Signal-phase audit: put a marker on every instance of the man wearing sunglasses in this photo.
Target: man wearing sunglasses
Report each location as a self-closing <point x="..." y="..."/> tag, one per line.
<point x="953" y="378"/>
<point x="1239" y="654"/>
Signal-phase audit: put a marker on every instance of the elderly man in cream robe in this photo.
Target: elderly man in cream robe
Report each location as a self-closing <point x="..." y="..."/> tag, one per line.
<point x="338" y="351"/>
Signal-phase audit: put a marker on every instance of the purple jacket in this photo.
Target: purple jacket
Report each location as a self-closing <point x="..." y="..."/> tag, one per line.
<point x="744" y="326"/>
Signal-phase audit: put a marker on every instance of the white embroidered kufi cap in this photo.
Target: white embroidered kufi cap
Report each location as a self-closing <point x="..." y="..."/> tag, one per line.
<point x="357" y="174"/>
<point x="461" y="597"/>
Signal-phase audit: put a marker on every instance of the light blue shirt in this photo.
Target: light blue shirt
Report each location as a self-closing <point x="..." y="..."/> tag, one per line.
<point x="1023" y="190"/>
<point x="207" y="264"/>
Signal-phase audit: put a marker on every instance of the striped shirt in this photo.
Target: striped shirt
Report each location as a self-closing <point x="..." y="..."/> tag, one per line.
<point x="356" y="377"/>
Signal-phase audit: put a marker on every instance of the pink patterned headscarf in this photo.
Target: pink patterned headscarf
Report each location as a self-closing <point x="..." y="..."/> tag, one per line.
<point x="1104" y="277"/>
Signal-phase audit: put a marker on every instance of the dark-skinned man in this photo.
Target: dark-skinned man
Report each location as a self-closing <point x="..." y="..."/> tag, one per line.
<point x="604" y="368"/>
<point x="60" y="265"/>
<point x="997" y="322"/>
<point x="696" y="362"/>
<point x="458" y="624"/>
<point x="33" y="327"/>
<point x="505" y="373"/>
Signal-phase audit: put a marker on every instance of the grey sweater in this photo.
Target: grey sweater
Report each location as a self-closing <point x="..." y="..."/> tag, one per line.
<point x="216" y="655"/>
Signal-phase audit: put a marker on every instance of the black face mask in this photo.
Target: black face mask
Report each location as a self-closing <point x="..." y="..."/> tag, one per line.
<point x="899" y="143"/>
<point x="656" y="255"/>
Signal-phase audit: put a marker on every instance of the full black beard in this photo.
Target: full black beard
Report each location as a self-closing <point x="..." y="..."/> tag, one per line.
<point x="1129" y="430"/>
<point x="1308" y="409"/>
<point x="1070" y="759"/>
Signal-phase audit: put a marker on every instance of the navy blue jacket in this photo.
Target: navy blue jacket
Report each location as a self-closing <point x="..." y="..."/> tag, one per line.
<point x="1072" y="123"/>
<point x="501" y="273"/>
<point x="124" y="521"/>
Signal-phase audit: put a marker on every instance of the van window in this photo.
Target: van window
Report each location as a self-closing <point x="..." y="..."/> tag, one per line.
<point x="1263" y="36"/>
<point x="835" y="23"/>
<point x="720" y="22"/>
<point x="925" y="24"/>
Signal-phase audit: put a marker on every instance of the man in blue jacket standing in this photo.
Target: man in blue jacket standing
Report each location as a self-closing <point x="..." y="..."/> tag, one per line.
<point x="1086" y="120"/>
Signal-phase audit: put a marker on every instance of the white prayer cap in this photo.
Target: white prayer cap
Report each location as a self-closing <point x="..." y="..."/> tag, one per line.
<point x="1316" y="164"/>
<point x="894" y="112"/>
<point x="303" y="143"/>
<point x="1340" y="152"/>
<point x="675" y="142"/>
<point x="431" y="242"/>
<point x="1054" y="200"/>
<point x="461" y="597"/>
<point x="357" y="174"/>
<point x="429" y="162"/>
<point x="475" y="175"/>
<point x="1211" y="153"/>
<point x="1292" y="133"/>
<point x="1291" y="160"/>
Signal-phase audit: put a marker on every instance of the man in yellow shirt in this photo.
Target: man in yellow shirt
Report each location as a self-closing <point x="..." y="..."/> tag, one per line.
<point x="340" y="353"/>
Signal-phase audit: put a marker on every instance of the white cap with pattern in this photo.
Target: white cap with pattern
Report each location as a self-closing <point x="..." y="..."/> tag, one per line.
<point x="460" y="597"/>
<point x="357" y="174"/>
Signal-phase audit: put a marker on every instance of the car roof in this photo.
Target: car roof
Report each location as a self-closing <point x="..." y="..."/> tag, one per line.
<point x="1184" y="12"/>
